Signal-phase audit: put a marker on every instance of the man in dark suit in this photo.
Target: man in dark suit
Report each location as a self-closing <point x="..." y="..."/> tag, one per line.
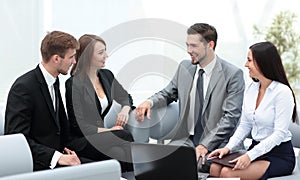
<point x="205" y="122"/>
<point x="35" y="108"/>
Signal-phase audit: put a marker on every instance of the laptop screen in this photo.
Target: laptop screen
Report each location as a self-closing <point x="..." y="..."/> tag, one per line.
<point x="154" y="161"/>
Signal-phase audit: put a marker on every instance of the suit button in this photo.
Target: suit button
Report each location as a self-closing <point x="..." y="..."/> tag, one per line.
<point x="58" y="133"/>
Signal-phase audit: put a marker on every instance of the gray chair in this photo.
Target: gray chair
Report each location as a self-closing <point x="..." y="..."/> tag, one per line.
<point x="160" y="127"/>
<point x="295" y="130"/>
<point x="1" y="122"/>
<point x="106" y="170"/>
<point x="15" y="155"/>
<point x="140" y="131"/>
<point x="2" y="109"/>
<point x="168" y="118"/>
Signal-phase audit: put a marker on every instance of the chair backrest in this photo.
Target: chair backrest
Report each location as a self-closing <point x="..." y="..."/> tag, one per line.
<point x="161" y="126"/>
<point x="1" y="123"/>
<point x="168" y="117"/>
<point x="15" y="155"/>
<point x="295" y="130"/>
<point x="106" y="170"/>
<point x="111" y="116"/>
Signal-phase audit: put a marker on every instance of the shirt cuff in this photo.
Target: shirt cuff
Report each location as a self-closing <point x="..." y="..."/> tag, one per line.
<point x="151" y="102"/>
<point x="55" y="159"/>
<point x="252" y="155"/>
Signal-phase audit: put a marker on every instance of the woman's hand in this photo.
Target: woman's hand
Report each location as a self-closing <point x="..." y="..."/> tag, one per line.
<point x="242" y="162"/>
<point x="100" y="130"/>
<point x="123" y="116"/>
<point x="116" y="128"/>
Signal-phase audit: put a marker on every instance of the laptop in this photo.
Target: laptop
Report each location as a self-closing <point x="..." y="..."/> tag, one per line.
<point x="156" y="161"/>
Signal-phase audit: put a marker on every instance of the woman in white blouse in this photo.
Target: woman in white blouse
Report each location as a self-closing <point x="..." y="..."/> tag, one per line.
<point x="269" y="106"/>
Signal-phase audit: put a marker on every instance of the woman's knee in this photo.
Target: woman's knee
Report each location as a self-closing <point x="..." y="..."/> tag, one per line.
<point x="125" y="135"/>
<point x="226" y="172"/>
<point x="128" y="136"/>
<point x="215" y="170"/>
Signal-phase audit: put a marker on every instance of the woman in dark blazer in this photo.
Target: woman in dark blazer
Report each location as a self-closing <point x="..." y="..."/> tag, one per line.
<point x="90" y="92"/>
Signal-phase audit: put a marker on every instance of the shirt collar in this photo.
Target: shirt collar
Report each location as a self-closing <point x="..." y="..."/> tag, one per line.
<point x="50" y="80"/>
<point x="271" y="86"/>
<point x="209" y="67"/>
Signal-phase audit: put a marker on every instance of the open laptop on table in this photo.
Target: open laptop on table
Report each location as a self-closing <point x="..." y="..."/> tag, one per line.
<point x="155" y="161"/>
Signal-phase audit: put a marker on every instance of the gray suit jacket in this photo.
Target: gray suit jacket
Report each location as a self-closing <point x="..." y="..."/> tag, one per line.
<point x="222" y="104"/>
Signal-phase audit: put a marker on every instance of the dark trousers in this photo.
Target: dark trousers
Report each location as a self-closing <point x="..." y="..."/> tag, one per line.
<point x="106" y="145"/>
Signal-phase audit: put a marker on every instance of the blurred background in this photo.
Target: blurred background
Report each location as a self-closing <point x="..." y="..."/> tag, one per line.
<point x="145" y="38"/>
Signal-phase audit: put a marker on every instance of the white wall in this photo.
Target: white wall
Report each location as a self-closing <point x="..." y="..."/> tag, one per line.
<point x="138" y="47"/>
<point x="20" y="37"/>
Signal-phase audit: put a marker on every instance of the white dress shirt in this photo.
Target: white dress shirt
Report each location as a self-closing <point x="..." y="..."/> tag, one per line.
<point x="206" y="79"/>
<point x="50" y="80"/>
<point x="269" y="122"/>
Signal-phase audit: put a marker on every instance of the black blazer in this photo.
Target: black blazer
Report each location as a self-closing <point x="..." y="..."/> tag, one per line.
<point x="83" y="106"/>
<point x="30" y="111"/>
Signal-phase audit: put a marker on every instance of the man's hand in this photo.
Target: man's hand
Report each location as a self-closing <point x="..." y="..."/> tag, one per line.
<point x="69" y="159"/>
<point x="201" y="151"/>
<point x="219" y="153"/>
<point x="143" y="109"/>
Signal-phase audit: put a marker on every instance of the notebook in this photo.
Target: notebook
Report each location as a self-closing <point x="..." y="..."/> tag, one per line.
<point x="225" y="159"/>
<point x="156" y="161"/>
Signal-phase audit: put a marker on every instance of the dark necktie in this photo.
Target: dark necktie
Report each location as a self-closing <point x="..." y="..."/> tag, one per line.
<point x="198" y="125"/>
<point x="56" y="90"/>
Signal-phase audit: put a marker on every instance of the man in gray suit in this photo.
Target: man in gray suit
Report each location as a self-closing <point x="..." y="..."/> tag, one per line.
<point x="205" y="122"/>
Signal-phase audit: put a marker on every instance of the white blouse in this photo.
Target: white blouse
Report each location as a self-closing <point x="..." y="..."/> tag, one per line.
<point x="268" y="123"/>
<point x="104" y="103"/>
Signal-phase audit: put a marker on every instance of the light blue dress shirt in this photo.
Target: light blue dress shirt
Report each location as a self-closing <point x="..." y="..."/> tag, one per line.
<point x="269" y="122"/>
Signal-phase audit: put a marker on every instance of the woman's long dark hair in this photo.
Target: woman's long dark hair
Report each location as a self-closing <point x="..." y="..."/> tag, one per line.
<point x="84" y="53"/>
<point x="269" y="62"/>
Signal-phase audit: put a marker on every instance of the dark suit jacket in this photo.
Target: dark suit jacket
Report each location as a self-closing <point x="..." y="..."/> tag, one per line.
<point x="83" y="106"/>
<point x="30" y="111"/>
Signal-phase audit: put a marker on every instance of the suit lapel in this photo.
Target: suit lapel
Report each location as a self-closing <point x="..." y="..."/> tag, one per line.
<point x="217" y="73"/>
<point x="46" y="93"/>
<point x="88" y="86"/>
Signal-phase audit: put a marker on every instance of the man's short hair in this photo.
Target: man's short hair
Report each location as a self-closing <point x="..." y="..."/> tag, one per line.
<point x="208" y="32"/>
<point x="57" y="42"/>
